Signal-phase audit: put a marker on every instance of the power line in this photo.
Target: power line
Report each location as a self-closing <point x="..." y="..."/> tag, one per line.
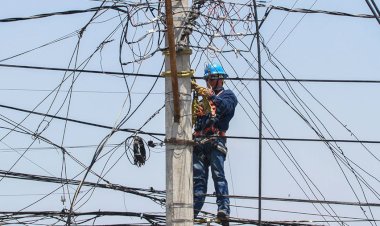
<point x="79" y="91"/>
<point x="151" y="193"/>
<point x="52" y="148"/>
<point x="120" y="8"/>
<point x="81" y="122"/>
<point x="69" y="12"/>
<point x="307" y="139"/>
<point x="152" y="218"/>
<point x="302" y="213"/>
<point x="310" y="11"/>
<point x="304" y="200"/>
<point x="162" y="134"/>
<point x="122" y="74"/>
<point x="160" y="194"/>
<point x="79" y="70"/>
<point x="374" y="9"/>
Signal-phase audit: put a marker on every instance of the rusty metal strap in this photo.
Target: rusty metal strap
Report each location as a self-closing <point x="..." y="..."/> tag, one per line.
<point x="178" y="52"/>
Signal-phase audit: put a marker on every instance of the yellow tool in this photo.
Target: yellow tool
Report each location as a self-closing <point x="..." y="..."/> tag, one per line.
<point x="203" y="106"/>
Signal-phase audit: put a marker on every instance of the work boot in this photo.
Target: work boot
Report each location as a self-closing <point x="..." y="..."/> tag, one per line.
<point x="223" y="217"/>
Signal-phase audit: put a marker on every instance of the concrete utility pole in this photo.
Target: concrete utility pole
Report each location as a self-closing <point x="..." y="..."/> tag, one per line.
<point x="179" y="168"/>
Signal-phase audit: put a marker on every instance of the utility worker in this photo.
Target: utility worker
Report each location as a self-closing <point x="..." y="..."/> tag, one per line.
<point x="209" y="135"/>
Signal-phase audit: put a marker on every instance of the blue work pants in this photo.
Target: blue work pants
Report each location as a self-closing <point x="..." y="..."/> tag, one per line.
<point x="205" y="156"/>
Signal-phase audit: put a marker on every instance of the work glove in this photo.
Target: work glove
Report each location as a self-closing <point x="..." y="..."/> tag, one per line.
<point x="205" y="92"/>
<point x="199" y="111"/>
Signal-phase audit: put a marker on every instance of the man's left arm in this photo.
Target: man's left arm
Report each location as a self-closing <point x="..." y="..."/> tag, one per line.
<point x="224" y="103"/>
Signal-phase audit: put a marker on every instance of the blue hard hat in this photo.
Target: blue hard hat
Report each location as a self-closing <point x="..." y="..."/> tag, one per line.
<point x="215" y="71"/>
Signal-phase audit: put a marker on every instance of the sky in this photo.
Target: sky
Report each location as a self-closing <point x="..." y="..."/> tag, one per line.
<point x="306" y="46"/>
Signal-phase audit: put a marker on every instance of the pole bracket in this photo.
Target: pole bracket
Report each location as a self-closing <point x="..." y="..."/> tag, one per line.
<point x="182" y="74"/>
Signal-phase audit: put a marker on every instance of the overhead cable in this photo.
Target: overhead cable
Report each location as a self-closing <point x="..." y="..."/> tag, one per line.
<point x="120" y="8"/>
<point x="163" y="134"/>
<point x="69" y="12"/>
<point x="155" y="195"/>
<point x="122" y="74"/>
<point x="374" y="9"/>
<point x="310" y="11"/>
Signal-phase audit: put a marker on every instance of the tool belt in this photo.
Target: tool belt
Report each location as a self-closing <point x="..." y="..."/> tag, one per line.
<point x="200" y="138"/>
<point x="211" y="133"/>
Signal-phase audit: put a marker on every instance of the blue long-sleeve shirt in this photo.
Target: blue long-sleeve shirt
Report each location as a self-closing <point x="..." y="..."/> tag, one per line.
<point x="225" y="102"/>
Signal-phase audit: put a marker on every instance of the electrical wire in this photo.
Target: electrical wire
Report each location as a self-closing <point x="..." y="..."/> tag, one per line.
<point x="231" y="19"/>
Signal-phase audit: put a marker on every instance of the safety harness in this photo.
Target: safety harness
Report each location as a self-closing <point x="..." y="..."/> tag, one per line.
<point x="204" y="120"/>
